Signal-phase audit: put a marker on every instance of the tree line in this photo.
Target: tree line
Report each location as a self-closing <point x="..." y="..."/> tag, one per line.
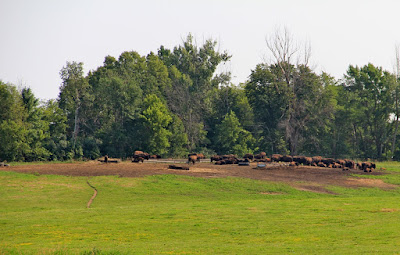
<point x="175" y="101"/>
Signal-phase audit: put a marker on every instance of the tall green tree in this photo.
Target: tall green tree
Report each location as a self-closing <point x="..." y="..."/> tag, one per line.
<point x="156" y="119"/>
<point x="269" y="96"/>
<point x="178" y="139"/>
<point x="192" y="70"/>
<point x="13" y="132"/>
<point x="72" y="93"/>
<point x="372" y="106"/>
<point x="232" y="138"/>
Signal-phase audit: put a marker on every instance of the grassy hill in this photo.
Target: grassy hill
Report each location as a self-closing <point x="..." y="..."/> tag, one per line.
<point x="168" y="214"/>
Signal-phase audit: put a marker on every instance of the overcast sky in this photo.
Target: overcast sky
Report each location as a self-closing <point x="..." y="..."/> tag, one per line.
<point x="38" y="37"/>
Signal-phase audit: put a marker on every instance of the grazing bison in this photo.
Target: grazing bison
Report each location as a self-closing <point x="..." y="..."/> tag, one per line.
<point x="276" y="157"/>
<point x="341" y="162"/>
<point x="229" y="156"/>
<point x="248" y="156"/>
<point x="155" y="156"/>
<point x="138" y="159"/>
<point x="261" y="155"/>
<point x="349" y="164"/>
<point x="287" y="158"/>
<point x="264" y="160"/>
<point x="316" y="159"/>
<point x="307" y="161"/>
<point x="337" y="165"/>
<point x="328" y="161"/>
<point x="192" y="159"/>
<point x="215" y="158"/>
<point x="142" y="154"/>
<point x="321" y="164"/>
<point x="200" y="156"/>
<point x="368" y="166"/>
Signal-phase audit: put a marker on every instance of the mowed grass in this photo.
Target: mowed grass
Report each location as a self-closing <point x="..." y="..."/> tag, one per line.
<point x="169" y="214"/>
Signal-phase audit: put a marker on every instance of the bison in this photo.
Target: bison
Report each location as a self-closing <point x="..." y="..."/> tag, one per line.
<point x="192" y="159"/>
<point x="328" y="161"/>
<point x="349" y="164"/>
<point x="287" y="158"/>
<point x="138" y="159"/>
<point x="215" y="158"/>
<point x="248" y="156"/>
<point x="261" y="155"/>
<point x="142" y="154"/>
<point x="368" y="166"/>
<point x="276" y="157"/>
<point x="316" y="159"/>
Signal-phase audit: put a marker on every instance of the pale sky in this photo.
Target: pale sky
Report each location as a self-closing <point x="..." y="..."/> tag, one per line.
<point x="38" y="37"/>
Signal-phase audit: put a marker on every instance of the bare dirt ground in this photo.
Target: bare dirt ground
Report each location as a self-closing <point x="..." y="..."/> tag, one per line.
<point x="313" y="179"/>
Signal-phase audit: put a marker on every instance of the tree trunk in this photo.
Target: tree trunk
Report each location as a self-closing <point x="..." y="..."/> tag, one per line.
<point x="76" y="128"/>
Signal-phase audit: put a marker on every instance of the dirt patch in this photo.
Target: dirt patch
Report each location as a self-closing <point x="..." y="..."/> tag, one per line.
<point x="389" y="210"/>
<point x="313" y="179"/>
<point x="362" y="182"/>
<point x="312" y="187"/>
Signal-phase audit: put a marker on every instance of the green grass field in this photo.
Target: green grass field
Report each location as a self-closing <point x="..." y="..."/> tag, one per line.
<point x="43" y="214"/>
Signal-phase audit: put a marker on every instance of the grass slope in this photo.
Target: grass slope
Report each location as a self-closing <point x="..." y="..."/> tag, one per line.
<point x="185" y="215"/>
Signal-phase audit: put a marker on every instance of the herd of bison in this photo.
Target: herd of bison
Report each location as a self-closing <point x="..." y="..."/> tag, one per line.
<point x="317" y="161"/>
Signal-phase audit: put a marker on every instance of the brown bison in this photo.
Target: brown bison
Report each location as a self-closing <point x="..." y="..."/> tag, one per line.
<point x="215" y="158"/>
<point x="248" y="156"/>
<point x="261" y="155"/>
<point x="276" y="157"/>
<point x="264" y="160"/>
<point x="307" y="161"/>
<point x="142" y="154"/>
<point x="316" y="159"/>
<point x="192" y="159"/>
<point x="155" y="156"/>
<point x="328" y="161"/>
<point x="350" y="164"/>
<point x="138" y="159"/>
<point x="287" y="158"/>
<point x="200" y="156"/>
<point x="368" y="166"/>
<point x="341" y="162"/>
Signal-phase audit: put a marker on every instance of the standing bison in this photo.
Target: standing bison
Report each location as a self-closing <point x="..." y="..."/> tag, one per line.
<point x="276" y="157"/>
<point x="140" y="156"/>
<point x="192" y="159"/>
<point x="248" y="156"/>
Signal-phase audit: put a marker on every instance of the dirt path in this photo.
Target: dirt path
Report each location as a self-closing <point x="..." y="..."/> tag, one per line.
<point x="94" y="194"/>
<point x="303" y="177"/>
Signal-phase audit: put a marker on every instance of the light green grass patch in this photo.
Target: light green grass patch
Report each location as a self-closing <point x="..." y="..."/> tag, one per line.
<point x="169" y="214"/>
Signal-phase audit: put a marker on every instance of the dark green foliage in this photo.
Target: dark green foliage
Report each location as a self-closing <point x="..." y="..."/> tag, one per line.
<point x="369" y="92"/>
<point x="175" y="102"/>
<point x="231" y="138"/>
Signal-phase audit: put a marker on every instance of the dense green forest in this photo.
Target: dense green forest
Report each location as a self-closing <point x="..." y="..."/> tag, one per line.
<point x="176" y="101"/>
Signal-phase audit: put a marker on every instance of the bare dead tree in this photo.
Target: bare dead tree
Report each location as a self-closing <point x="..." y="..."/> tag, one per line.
<point x="396" y="96"/>
<point x="288" y="55"/>
<point x="283" y="49"/>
